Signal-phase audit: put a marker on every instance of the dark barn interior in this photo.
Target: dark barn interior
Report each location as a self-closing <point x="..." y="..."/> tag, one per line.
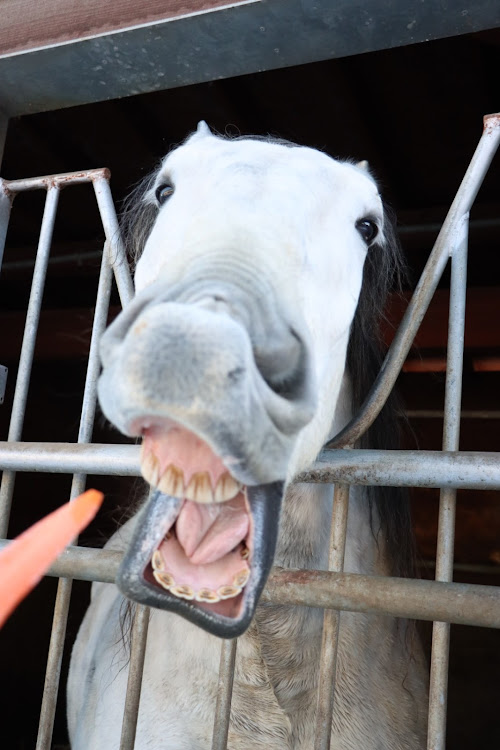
<point x="415" y="113"/>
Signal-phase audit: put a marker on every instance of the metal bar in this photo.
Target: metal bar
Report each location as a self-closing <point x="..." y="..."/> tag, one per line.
<point x="224" y="694"/>
<point x="443" y="248"/>
<point x="409" y="598"/>
<point x="53" y="669"/>
<point x="69" y="458"/>
<point x="88" y="564"/>
<point x="28" y="348"/>
<point x="438" y="686"/>
<point x="5" y="206"/>
<point x="117" y="252"/>
<point x="57" y="639"/>
<point x="56" y="180"/>
<point x="331" y="622"/>
<point x="461" y="469"/>
<point x="134" y="683"/>
<point x="477" y="470"/>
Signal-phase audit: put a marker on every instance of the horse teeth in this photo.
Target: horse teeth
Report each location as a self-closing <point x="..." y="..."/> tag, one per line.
<point x="164" y="579"/>
<point x="227" y="488"/>
<point x="183" y="591"/>
<point x="244" y="553"/>
<point x="241" y="578"/>
<point x="228" y="592"/>
<point x="157" y="561"/>
<point x="199" y="488"/>
<point x="172" y="482"/>
<point x="207" y="595"/>
<point x="150" y="468"/>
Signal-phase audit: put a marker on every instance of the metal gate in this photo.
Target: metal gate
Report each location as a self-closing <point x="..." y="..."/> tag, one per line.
<point x="441" y="600"/>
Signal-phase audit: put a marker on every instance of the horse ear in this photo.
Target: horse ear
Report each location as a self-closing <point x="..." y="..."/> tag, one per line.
<point x="362" y="165"/>
<point x="203" y="128"/>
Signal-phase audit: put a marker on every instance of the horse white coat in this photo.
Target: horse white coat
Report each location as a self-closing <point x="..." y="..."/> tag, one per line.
<point x="283" y="224"/>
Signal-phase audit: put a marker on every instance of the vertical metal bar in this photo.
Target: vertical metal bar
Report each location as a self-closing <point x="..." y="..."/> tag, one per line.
<point x="134" y="684"/>
<point x="56" y="647"/>
<point x="28" y="348"/>
<point x="117" y="251"/>
<point x="331" y="622"/>
<point x="436" y="737"/>
<point x="5" y="206"/>
<point x="224" y="694"/>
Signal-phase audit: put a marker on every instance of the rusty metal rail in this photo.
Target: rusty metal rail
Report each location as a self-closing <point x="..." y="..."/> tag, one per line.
<point x="441" y="600"/>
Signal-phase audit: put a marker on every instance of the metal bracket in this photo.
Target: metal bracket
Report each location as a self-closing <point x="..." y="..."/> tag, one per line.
<point x="3" y="381"/>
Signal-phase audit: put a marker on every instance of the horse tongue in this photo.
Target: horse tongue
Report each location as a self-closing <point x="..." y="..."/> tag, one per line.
<point x="208" y="532"/>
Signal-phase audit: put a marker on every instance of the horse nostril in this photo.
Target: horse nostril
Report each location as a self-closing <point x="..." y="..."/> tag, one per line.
<point x="284" y="367"/>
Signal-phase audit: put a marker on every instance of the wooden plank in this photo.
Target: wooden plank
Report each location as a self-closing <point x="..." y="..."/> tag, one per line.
<point x="28" y="25"/>
<point x="482" y="329"/>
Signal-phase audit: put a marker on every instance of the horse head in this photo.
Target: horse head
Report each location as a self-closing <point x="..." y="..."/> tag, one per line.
<point x="229" y="360"/>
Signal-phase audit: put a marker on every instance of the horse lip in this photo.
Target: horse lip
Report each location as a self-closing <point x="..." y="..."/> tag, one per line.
<point x="158" y="515"/>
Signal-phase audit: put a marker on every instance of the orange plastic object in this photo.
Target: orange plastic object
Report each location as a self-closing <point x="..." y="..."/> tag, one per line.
<point x="29" y="556"/>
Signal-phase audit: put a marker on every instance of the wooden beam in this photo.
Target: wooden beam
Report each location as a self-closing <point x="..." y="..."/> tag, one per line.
<point x="481" y="321"/>
<point x="28" y="25"/>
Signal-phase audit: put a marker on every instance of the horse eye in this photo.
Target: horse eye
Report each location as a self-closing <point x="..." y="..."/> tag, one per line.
<point x="367" y="229"/>
<point x="163" y="193"/>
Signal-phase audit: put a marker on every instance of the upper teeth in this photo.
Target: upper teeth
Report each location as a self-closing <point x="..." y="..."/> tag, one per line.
<point x="199" y="488"/>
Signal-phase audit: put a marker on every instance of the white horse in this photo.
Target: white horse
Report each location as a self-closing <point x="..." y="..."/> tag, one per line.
<point x="263" y="268"/>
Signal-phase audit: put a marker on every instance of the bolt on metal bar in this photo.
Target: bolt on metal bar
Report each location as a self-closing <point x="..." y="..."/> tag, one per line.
<point x="28" y="348"/>
<point x="135" y="672"/>
<point x="331" y="622"/>
<point x="57" y="639"/>
<point x="224" y="694"/>
<point x="438" y="687"/>
<point x="443" y="248"/>
<point x="113" y="236"/>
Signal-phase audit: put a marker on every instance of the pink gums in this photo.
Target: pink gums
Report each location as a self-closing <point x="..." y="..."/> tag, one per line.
<point x="174" y="445"/>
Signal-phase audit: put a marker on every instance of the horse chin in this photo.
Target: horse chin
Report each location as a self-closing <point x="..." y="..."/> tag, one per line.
<point x="206" y="560"/>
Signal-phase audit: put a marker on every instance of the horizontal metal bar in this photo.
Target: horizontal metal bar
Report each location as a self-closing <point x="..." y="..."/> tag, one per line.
<point x="71" y="458"/>
<point x="463" y="469"/>
<point x="462" y="603"/>
<point x="55" y="180"/>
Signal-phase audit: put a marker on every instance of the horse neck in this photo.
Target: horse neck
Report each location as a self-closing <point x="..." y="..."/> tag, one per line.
<point x="306" y="519"/>
<point x="305" y="530"/>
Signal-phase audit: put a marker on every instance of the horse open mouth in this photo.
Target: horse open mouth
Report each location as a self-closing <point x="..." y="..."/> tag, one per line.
<point x="204" y="543"/>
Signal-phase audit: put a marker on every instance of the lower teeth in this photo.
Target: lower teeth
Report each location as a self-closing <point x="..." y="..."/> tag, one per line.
<point x="184" y="591"/>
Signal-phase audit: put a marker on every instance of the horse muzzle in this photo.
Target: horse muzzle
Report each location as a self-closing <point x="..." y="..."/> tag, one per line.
<point x="220" y="416"/>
